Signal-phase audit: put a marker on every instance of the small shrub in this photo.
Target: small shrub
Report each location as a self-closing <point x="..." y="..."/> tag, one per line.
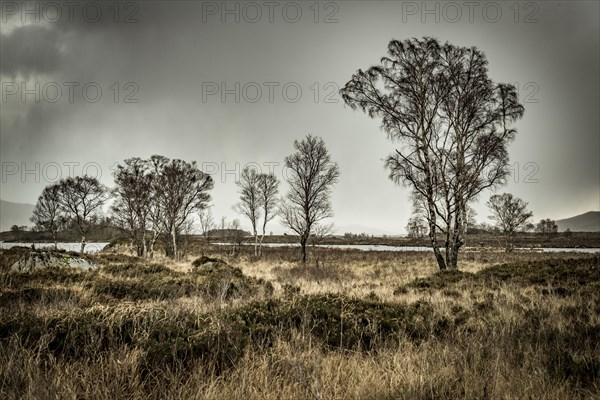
<point x="201" y="261"/>
<point x="441" y="280"/>
<point x="223" y="281"/>
<point x="290" y="290"/>
<point x="340" y="322"/>
<point x="451" y="293"/>
<point x="135" y="270"/>
<point x="152" y="288"/>
<point x="314" y="273"/>
<point x="400" y="290"/>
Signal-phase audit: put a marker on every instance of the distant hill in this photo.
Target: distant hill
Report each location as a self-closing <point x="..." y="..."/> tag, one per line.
<point x="587" y="222"/>
<point x="14" y="214"/>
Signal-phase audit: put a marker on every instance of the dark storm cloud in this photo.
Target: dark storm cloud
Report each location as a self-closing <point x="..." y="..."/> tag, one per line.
<point x="32" y="49"/>
<point x="168" y="52"/>
<point x="45" y="44"/>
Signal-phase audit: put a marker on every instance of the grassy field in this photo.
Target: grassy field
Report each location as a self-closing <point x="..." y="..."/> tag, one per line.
<point x="349" y="325"/>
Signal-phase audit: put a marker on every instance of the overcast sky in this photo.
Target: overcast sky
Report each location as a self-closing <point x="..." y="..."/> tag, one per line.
<point x="162" y="67"/>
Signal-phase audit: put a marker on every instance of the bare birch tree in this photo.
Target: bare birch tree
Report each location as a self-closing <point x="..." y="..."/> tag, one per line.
<point x="415" y="227"/>
<point x="156" y="210"/>
<point x="452" y="124"/>
<point x="207" y="223"/>
<point x="510" y="214"/>
<point x="547" y="227"/>
<point x="81" y="198"/>
<point x="311" y="175"/>
<point x="236" y="236"/>
<point x="47" y="213"/>
<point x="322" y="231"/>
<point x="249" y="204"/>
<point x="133" y="200"/>
<point x="268" y="185"/>
<point x="183" y="190"/>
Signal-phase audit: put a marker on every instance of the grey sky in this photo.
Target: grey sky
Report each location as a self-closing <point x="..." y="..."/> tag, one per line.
<point x="177" y="49"/>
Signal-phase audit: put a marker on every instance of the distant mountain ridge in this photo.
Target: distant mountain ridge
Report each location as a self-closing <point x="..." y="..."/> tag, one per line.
<point x="14" y="214"/>
<point x="586" y="222"/>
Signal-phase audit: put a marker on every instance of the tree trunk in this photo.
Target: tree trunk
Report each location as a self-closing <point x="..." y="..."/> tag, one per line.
<point x="174" y="241"/>
<point x="438" y="254"/>
<point x="155" y="235"/>
<point x="260" y="244"/>
<point x="456" y="241"/>
<point x="509" y="242"/>
<point x="151" y="246"/>
<point x="303" y="240"/>
<point x="432" y="232"/>
<point x="447" y="247"/>
<point x="55" y="241"/>
<point x="144" y="248"/>
<point x="82" y="244"/>
<point x="454" y="255"/>
<point x="255" y="244"/>
<point x="432" y="214"/>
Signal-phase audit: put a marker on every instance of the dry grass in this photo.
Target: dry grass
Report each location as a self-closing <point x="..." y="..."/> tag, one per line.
<point x="349" y="325"/>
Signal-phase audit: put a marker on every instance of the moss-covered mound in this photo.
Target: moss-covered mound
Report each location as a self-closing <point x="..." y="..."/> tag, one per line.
<point x="34" y="260"/>
<point x="226" y="281"/>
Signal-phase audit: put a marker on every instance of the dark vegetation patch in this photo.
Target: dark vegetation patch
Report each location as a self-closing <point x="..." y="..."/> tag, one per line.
<point x="45" y="277"/>
<point x="79" y="334"/>
<point x="400" y="290"/>
<point x="180" y="340"/>
<point x="11" y="297"/>
<point x="223" y="281"/>
<point x="290" y="290"/>
<point x="314" y="272"/>
<point x="138" y="270"/>
<point x="139" y="281"/>
<point x="571" y="353"/>
<point x="148" y="288"/>
<point x="563" y="276"/>
<point x="553" y="272"/>
<point x="441" y="280"/>
<point x="220" y="339"/>
<point x="202" y="261"/>
<point x="213" y="280"/>
<point x="206" y="266"/>
<point x="112" y="258"/>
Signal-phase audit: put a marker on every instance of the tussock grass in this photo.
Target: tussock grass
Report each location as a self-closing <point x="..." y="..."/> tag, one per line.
<point x="352" y="326"/>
